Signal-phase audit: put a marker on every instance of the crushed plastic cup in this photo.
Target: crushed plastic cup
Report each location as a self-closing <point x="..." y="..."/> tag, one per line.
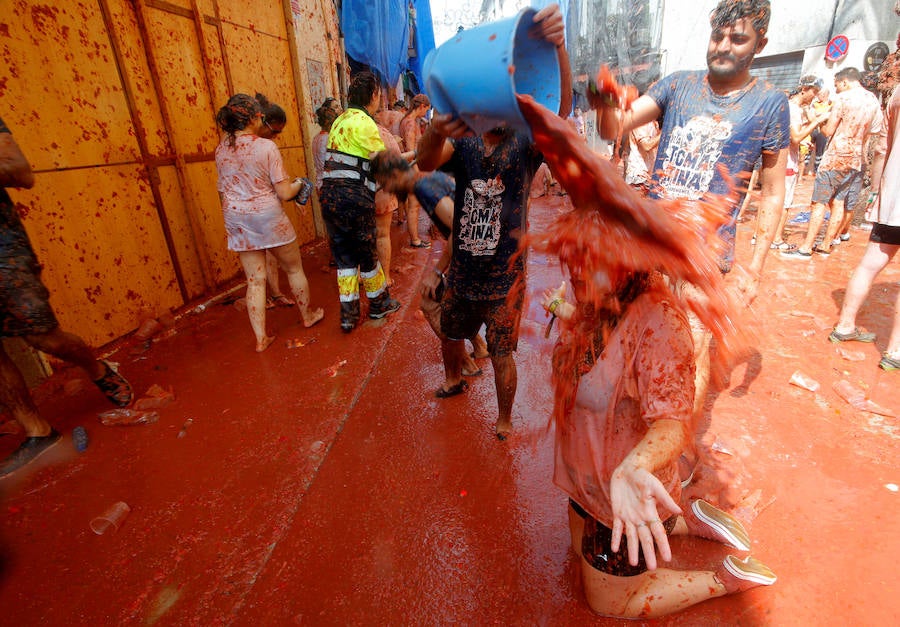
<point x="122" y="417"/>
<point x="802" y="381"/>
<point x="156" y="397"/>
<point x="111" y="519"/>
<point x="857" y="399"/>
<point x="184" y="427"/>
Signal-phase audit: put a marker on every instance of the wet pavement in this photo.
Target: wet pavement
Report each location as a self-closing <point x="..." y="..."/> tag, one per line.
<point x="324" y="484"/>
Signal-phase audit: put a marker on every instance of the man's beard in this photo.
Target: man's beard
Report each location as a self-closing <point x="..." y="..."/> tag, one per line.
<point x="739" y="65"/>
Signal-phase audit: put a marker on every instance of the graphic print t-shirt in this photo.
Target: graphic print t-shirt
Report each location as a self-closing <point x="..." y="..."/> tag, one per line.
<point x="703" y="131"/>
<point x="490" y="213"/>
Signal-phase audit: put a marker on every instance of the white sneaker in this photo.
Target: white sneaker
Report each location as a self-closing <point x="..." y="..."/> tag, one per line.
<point x="739" y="575"/>
<point x="706" y="521"/>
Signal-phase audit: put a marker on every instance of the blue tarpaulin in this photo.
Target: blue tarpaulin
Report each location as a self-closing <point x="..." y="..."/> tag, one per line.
<point x="424" y="38"/>
<point x="377" y="34"/>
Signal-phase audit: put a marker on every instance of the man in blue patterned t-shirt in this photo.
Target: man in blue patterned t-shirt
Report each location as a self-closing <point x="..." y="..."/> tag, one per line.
<point x="719" y="122"/>
<point x="715" y="125"/>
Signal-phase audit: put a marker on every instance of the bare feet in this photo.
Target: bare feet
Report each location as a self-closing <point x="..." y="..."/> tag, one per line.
<point x="313" y="316"/>
<point x="261" y="346"/>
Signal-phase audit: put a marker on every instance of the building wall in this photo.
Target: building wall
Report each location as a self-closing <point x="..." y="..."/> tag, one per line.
<point x="113" y="102"/>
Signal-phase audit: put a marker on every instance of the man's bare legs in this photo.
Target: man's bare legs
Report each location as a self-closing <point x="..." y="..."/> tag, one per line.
<point x="254" y="264"/>
<point x="290" y="259"/>
<point x="70" y="348"/>
<point x="412" y="222"/>
<point x="383" y="244"/>
<point x="14" y="392"/>
<point x="479" y="347"/>
<point x="453" y="353"/>
<point x="875" y="259"/>
<point x="505" y="381"/>
<point x="816" y="218"/>
<point x="15" y="397"/>
<point x="835" y="223"/>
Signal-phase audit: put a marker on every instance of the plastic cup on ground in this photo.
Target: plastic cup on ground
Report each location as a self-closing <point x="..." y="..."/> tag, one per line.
<point x="111" y="519"/>
<point x="477" y="74"/>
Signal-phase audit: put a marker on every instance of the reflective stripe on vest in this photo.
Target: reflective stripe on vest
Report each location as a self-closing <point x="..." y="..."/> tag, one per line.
<point x="340" y="165"/>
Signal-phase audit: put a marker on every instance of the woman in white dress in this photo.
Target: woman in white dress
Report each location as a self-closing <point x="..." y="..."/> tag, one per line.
<point x="252" y="182"/>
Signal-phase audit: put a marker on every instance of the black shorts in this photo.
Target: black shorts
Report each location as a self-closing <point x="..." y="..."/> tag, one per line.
<point x="884" y="234"/>
<point x="595" y="546"/>
<point x="461" y="319"/>
<point x="24" y="300"/>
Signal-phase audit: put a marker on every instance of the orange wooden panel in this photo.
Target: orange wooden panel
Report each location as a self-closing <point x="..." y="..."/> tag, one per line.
<point x="60" y="81"/>
<point x="105" y="258"/>
<point x="136" y="72"/>
<point x="179" y="63"/>
<point x="172" y="194"/>
<point x="201" y="189"/>
<point x="216" y="64"/>
<point x="259" y="17"/>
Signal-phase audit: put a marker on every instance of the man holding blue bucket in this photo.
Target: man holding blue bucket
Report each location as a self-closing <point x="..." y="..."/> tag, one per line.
<point x="493" y="174"/>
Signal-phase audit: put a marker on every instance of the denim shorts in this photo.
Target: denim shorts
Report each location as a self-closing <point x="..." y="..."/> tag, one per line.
<point x="832" y="185"/>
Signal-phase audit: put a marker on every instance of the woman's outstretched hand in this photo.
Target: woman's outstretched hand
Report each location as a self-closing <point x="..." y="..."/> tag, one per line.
<point x="637" y="496"/>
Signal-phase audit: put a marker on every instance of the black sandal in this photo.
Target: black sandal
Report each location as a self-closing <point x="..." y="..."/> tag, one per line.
<point x="459" y="388"/>
<point x="114" y="386"/>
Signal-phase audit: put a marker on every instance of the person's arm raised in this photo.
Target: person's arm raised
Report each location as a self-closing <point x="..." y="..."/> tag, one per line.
<point x="549" y="26"/>
<point x="433" y="149"/>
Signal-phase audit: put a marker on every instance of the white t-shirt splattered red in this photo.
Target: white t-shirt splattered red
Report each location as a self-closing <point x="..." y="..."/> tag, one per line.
<point x="644" y="374"/>
<point x="254" y="216"/>
<point x="887" y="209"/>
<point x="858" y="114"/>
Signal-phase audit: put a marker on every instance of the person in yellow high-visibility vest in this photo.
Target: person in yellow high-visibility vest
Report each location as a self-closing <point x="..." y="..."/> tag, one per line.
<point x="348" y="203"/>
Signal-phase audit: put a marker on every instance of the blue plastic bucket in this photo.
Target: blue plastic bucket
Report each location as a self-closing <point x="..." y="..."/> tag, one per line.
<point x="477" y="74"/>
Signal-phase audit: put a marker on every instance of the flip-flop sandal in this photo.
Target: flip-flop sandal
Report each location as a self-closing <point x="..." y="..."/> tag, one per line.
<point x="473" y="373"/>
<point x="889" y="363"/>
<point x="822" y="251"/>
<point x="459" y="388"/>
<point x="422" y="244"/>
<point x="854" y="336"/>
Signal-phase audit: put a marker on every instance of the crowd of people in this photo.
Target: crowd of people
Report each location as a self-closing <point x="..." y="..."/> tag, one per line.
<point x="632" y="362"/>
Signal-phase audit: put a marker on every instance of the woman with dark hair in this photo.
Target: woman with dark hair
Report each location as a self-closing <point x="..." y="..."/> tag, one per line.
<point x="252" y="183"/>
<point x="326" y="114"/>
<point x="411" y="128"/>
<point x="274" y="121"/>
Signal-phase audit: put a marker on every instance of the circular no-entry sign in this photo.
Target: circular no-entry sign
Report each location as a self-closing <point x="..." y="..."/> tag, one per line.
<point x="837" y="48"/>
